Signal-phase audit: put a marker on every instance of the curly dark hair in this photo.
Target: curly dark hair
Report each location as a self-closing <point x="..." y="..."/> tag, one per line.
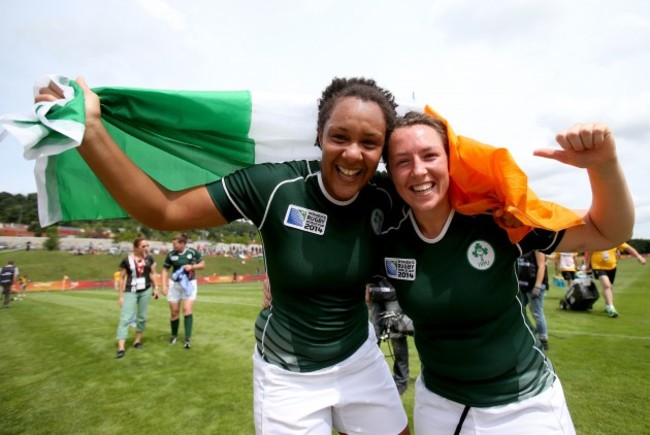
<point x="358" y="87"/>
<point x="419" y="118"/>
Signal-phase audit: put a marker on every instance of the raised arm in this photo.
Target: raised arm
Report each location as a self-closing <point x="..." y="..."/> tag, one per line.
<point x="610" y="219"/>
<point x="140" y="196"/>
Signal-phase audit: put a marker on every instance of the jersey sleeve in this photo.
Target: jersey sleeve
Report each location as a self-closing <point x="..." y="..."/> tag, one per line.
<point x="168" y="262"/>
<point x="544" y="241"/>
<point x="124" y="264"/>
<point x="246" y="192"/>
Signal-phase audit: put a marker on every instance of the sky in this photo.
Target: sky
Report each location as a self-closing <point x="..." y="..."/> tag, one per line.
<point x="510" y="73"/>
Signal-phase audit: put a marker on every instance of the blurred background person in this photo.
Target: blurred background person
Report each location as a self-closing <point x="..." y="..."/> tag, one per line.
<point x="7" y="280"/>
<point x="138" y="272"/>
<point x="567" y="265"/>
<point x="603" y="264"/>
<point x="180" y="285"/>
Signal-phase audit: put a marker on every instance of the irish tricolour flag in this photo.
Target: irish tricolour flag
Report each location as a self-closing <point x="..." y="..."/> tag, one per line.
<point x="179" y="138"/>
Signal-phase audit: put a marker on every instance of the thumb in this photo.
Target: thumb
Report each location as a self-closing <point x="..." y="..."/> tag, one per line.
<point x="82" y="83"/>
<point x="551" y="153"/>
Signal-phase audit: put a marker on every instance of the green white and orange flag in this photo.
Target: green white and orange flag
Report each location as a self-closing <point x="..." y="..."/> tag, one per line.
<point x="183" y="139"/>
<point x="179" y="138"/>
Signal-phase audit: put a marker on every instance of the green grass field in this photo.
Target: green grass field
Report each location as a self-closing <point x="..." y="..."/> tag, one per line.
<point x="60" y="375"/>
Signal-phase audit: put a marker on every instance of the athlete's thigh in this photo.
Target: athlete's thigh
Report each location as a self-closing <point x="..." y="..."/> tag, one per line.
<point x="369" y="401"/>
<point x="545" y="413"/>
<point x="174" y="293"/>
<point x="288" y="402"/>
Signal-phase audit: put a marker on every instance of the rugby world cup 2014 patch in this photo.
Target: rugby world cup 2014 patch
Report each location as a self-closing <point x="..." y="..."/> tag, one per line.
<point x="305" y="219"/>
<point x="400" y="268"/>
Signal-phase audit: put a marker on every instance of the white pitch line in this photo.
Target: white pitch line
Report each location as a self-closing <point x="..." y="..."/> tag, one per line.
<point x="596" y="334"/>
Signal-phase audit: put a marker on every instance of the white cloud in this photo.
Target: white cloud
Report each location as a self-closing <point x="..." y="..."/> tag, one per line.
<point x="506" y="72"/>
<point x="164" y="12"/>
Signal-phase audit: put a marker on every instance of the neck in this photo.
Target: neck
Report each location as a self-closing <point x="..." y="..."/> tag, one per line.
<point x="432" y="222"/>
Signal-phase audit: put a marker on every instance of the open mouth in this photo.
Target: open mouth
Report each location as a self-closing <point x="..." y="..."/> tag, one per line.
<point x="348" y="173"/>
<point x="422" y="188"/>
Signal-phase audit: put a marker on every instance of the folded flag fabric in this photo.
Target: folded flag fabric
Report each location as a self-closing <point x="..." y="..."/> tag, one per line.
<point x="180" y="276"/>
<point x="483" y="177"/>
<point x="188" y="138"/>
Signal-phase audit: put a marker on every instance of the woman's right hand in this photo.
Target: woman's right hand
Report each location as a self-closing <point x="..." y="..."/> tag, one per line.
<point x="53" y="92"/>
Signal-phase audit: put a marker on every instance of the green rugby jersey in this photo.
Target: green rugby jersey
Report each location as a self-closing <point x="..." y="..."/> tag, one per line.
<point x="319" y="255"/>
<point x="175" y="260"/>
<point x="473" y="337"/>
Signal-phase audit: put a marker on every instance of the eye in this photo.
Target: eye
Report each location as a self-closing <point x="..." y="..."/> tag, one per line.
<point x="402" y="162"/>
<point x="430" y="156"/>
<point x="370" y="144"/>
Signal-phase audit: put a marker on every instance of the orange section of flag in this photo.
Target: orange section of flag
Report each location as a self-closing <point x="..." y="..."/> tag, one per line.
<point x="485" y="178"/>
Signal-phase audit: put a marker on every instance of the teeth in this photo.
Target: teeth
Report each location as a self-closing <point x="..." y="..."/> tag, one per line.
<point x="422" y="187"/>
<point x="349" y="172"/>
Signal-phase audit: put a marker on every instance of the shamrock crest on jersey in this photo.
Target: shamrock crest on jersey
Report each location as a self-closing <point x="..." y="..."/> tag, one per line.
<point x="480" y="255"/>
<point x="306" y="220"/>
<point x="377" y="220"/>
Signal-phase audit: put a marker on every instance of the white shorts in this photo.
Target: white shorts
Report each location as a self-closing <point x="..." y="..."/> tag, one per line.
<point x="545" y="413"/>
<point x="356" y="396"/>
<point x="177" y="293"/>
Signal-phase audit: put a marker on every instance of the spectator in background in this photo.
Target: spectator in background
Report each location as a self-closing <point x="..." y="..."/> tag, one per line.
<point x="381" y="298"/>
<point x="23" y="281"/>
<point x="138" y="272"/>
<point x="117" y="280"/>
<point x="181" y="286"/>
<point x="603" y="264"/>
<point x="567" y="265"/>
<point x="7" y="280"/>
<point x="533" y="284"/>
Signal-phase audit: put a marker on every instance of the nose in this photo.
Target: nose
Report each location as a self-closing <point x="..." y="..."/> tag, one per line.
<point x="353" y="151"/>
<point x="419" y="167"/>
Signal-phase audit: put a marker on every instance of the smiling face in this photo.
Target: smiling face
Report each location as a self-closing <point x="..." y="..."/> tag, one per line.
<point x="418" y="165"/>
<point x="352" y="140"/>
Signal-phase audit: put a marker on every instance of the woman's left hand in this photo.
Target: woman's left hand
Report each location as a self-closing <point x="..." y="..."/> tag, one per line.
<point x="583" y="145"/>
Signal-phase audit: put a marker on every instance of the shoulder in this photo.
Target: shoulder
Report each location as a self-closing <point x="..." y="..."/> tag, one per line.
<point x="273" y="171"/>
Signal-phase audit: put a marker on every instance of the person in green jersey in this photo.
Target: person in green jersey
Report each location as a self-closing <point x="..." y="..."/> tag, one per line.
<point x="317" y="367"/>
<point x="483" y="369"/>
<point x="180" y="285"/>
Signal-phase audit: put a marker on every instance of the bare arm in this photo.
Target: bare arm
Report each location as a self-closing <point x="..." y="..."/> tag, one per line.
<point x="634" y="252"/>
<point x="152" y="277"/>
<point x="164" y="280"/>
<point x="197" y="266"/>
<point x="139" y="195"/>
<point x="540" y="258"/>
<point x="587" y="260"/>
<point x="120" y="296"/>
<point x="610" y="219"/>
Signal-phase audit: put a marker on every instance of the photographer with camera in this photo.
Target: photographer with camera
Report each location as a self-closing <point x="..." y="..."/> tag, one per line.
<point x="533" y="283"/>
<point x="389" y="322"/>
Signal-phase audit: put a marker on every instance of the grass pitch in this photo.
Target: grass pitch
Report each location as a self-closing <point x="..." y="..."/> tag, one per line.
<point x="60" y="375"/>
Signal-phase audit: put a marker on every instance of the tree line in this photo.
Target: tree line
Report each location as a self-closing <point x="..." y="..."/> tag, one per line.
<point x="23" y="209"/>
